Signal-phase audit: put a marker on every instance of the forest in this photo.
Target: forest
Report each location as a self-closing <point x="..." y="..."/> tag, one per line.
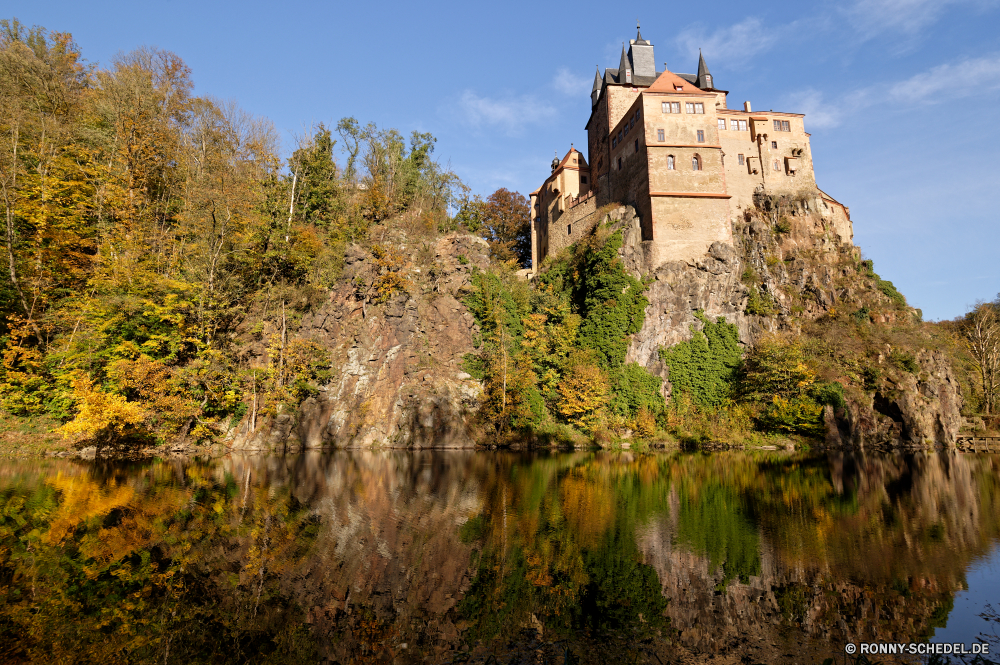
<point x="148" y="231"/>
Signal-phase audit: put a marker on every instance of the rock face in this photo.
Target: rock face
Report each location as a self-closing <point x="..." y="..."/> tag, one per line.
<point x="801" y="258"/>
<point x="397" y="364"/>
<point x="398" y="380"/>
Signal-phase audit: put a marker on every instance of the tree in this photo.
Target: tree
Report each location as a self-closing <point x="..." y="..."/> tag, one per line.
<point x="981" y="335"/>
<point x="505" y="221"/>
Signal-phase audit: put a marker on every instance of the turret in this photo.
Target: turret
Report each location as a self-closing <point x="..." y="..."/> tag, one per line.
<point x="624" y="68"/>
<point x="640" y="54"/>
<point x="704" y="80"/>
<point x="595" y="93"/>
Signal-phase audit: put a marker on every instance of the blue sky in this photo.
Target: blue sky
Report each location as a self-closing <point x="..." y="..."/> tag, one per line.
<point x="901" y="96"/>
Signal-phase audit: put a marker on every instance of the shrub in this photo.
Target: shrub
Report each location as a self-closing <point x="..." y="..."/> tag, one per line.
<point x="705" y="366"/>
<point x="829" y="394"/>
<point x="583" y="395"/>
<point x="888" y="289"/>
<point x="760" y="303"/>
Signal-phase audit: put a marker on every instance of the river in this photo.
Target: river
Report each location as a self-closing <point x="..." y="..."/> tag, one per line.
<point x="495" y="557"/>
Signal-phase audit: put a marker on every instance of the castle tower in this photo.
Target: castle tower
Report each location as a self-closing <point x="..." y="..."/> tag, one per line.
<point x="640" y="54"/>
<point x="625" y="73"/>
<point x="704" y="80"/>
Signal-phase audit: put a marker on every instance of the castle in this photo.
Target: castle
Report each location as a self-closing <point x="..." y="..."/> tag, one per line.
<point x="669" y="145"/>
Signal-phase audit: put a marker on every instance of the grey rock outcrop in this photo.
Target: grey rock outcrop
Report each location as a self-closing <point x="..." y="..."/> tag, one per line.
<point x="397" y="380"/>
<point x="804" y="271"/>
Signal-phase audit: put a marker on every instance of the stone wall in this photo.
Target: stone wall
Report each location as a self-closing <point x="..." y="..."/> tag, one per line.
<point x="570" y="226"/>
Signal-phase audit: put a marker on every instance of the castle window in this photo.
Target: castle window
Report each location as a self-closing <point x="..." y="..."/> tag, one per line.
<point x="671" y="107"/>
<point x="637" y="114"/>
<point x="678" y="88"/>
<point x="626" y="129"/>
<point x="701" y="136"/>
<point x="670" y="162"/>
<point x="774" y="145"/>
<point x="689" y="107"/>
<point x="777" y="165"/>
<point x="699" y="108"/>
<point x="696" y="163"/>
<point x="614" y="141"/>
<point x="619" y="136"/>
<point x="734" y="125"/>
<point x="722" y="124"/>
<point x="619" y="163"/>
<point x="659" y="135"/>
<point x="583" y="180"/>
<point x="569" y="229"/>
<point x="741" y="159"/>
<point x="743" y="125"/>
<point x="637" y="145"/>
<point x="782" y="126"/>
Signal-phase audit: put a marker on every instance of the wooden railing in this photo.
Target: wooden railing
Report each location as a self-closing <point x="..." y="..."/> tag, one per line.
<point x="978" y="444"/>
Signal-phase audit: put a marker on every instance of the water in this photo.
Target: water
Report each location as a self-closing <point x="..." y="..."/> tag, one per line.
<point x="458" y="556"/>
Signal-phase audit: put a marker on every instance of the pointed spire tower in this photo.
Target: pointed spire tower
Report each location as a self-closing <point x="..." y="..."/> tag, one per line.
<point x="624" y="68"/>
<point x="704" y="80"/>
<point x="595" y="92"/>
<point x="640" y="54"/>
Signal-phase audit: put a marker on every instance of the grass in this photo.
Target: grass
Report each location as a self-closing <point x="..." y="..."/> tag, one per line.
<point x="26" y="437"/>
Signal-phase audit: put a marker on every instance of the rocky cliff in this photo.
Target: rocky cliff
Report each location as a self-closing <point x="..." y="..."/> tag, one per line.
<point x="792" y="269"/>
<point x="397" y="379"/>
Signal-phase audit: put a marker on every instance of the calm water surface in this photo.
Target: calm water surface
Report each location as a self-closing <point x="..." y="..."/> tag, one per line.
<point x="435" y="556"/>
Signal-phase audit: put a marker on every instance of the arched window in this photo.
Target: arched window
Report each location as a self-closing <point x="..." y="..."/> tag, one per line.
<point x="696" y="163"/>
<point x="670" y="162"/>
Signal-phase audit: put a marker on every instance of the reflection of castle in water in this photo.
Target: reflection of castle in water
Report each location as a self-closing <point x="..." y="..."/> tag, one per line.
<point x="887" y="572"/>
<point x="359" y="553"/>
<point x="749" y="551"/>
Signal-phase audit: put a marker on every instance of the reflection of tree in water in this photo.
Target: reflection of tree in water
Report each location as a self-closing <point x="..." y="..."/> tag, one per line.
<point x="150" y="569"/>
<point x="556" y="551"/>
<point x="347" y="557"/>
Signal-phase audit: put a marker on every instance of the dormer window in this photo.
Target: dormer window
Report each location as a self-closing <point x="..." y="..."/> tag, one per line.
<point x="679" y="88"/>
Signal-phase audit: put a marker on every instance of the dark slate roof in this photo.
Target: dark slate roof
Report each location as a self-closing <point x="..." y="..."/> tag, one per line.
<point x="692" y="78"/>
<point x="611" y="76"/>
<point x="638" y="38"/>
<point x="702" y="70"/>
<point x="624" y="64"/>
<point x="597" y="81"/>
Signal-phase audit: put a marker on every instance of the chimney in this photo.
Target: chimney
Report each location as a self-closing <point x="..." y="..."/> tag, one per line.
<point x="746" y="107"/>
